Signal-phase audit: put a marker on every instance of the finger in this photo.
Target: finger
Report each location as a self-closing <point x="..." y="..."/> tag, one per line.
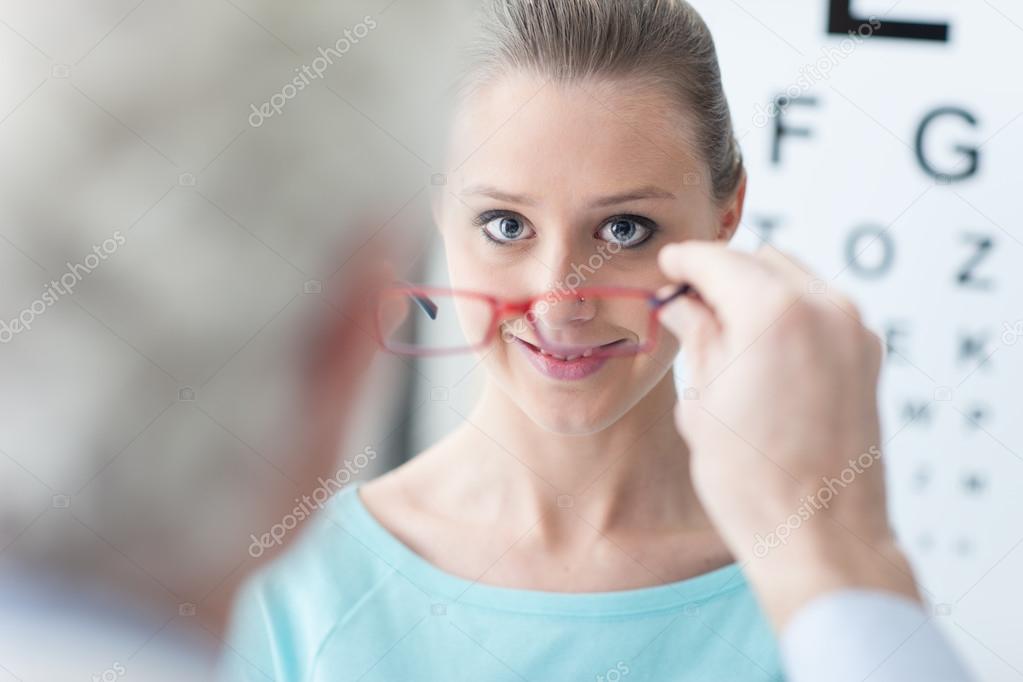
<point x="729" y="282"/>
<point x="876" y="349"/>
<point x="797" y="273"/>
<point x="688" y="318"/>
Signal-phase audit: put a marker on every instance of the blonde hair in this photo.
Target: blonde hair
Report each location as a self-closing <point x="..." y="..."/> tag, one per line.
<point x="663" y="42"/>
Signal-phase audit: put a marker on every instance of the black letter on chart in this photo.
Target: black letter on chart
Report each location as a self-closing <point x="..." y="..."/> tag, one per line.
<point x="971" y="154"/>
<point x="967" y="276"/>
<point x="917" y="410"/>
<point x="973" y="346"/>
<point x="872" y="235"/>
<point x="841" y="21"/>
<point x="766" y="225"/>
<point x="975" y="415"/>
<point x="782" y="103"/>
<point x="893" y="331"/>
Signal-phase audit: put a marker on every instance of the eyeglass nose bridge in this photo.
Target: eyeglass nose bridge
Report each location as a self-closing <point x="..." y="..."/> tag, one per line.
<point x="525" y="307"/>
<point x="519" y="307"/>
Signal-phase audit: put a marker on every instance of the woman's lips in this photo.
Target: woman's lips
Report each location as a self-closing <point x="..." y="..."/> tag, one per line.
<point x="570" y="368"/>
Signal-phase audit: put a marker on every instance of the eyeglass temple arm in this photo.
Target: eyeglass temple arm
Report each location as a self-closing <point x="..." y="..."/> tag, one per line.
<point x="424" y="301"/>
<point x="427" y="304"/>
<point x="684" y="289"/>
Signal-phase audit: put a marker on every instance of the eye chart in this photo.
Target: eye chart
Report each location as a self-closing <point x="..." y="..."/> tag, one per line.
<point x="883" y="144"/>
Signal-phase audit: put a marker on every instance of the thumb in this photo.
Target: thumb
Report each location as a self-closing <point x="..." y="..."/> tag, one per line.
<point x="695" y="326"/>
<point x="689" y="319"/>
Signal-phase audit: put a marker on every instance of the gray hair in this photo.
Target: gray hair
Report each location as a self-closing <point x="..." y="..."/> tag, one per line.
<point x="663" y="42"/>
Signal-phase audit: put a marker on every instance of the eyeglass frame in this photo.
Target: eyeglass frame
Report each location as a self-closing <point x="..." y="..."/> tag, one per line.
<point x="504" y="308"/>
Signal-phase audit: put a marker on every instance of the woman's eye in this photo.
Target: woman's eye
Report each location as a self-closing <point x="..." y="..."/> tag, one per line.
<point x="625" y="231"/>
<point x="507" y="229"/>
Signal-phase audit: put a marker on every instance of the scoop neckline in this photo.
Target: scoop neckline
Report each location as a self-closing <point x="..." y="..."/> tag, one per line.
<point x="456" y="589"/>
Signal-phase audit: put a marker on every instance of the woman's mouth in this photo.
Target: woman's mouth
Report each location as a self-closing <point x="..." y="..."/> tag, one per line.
<point x="563" y="367"/>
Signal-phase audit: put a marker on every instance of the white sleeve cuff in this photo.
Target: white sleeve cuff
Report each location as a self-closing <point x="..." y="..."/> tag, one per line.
<point x="870" y="635"/>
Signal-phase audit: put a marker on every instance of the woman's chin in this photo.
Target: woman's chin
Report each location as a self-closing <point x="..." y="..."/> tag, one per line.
<point x="574" y="418"/>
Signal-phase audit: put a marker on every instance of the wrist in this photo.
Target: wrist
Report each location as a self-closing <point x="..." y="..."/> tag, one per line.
<point x="824" y="560"/>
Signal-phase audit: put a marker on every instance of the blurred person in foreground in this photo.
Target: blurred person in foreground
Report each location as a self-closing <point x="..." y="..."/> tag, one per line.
<point x="80" y="610"/>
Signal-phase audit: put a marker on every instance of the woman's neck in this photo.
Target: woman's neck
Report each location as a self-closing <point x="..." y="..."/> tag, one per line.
<point x="633" y="474"/>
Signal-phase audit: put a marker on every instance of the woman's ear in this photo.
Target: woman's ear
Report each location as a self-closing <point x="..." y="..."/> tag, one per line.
<point x="731" y="214"/>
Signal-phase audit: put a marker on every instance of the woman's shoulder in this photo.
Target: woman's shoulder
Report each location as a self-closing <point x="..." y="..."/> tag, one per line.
<point x="284" y="609"/>
<point x="389" y="498"/>
<point x="338" y="543"/>
<point x="332" y="560"/>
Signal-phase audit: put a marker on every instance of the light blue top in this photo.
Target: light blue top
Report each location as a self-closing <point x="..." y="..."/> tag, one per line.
<point x="350" y="601"/>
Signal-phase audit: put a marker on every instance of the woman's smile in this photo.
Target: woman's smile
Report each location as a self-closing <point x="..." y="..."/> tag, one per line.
<point x="564" y="367"/>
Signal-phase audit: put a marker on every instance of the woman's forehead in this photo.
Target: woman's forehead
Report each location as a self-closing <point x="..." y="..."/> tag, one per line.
<point x="525" y="131"/>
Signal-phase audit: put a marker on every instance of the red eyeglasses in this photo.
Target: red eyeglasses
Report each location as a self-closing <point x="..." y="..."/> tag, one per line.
<point x="588" y="321"/>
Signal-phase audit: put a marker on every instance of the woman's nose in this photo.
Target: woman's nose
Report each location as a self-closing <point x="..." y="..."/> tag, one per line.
<point x="569" y="264"/>
<point x="566" y="272"/>
<point x="565" y="313"/>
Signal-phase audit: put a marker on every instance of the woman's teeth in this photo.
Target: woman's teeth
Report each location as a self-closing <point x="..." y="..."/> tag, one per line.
<point x="564" y="367"/>
<point x="568" y="358"/>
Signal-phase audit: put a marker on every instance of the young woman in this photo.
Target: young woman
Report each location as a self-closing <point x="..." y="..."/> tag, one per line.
<point x="555" y="534"/>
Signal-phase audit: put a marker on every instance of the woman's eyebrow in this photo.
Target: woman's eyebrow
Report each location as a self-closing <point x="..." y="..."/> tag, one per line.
<point x="500" y="195"/>
<point x="645" y="192"/>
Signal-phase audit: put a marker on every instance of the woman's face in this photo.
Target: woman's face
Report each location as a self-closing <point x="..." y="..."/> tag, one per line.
<point x="557" y="187"/>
